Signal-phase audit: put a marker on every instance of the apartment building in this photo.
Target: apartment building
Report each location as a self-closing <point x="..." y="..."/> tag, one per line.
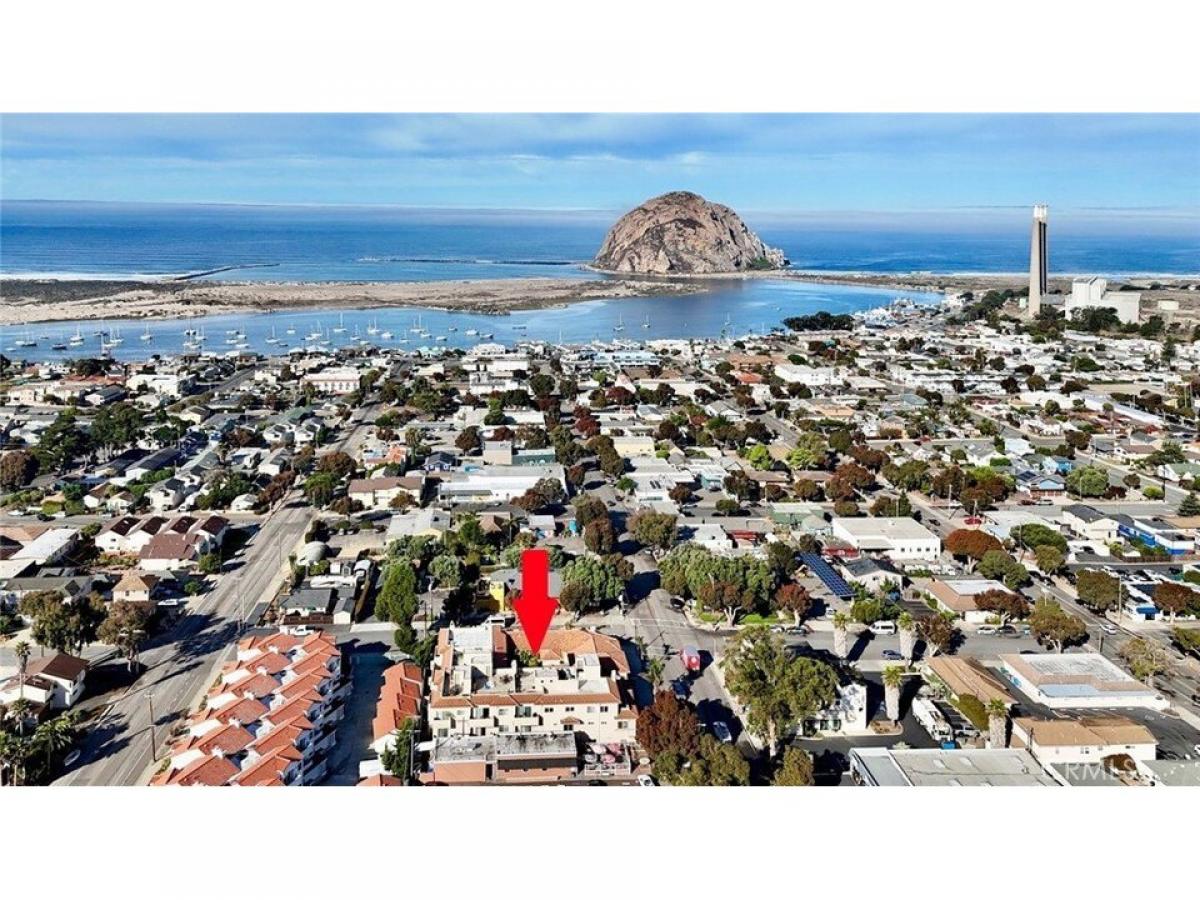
<point x="268" y="720"/>
<point x="480" y="685"/>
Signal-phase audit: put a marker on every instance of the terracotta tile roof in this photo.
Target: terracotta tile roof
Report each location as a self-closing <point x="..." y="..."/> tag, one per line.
<point x="245" y="711"/>
<point x="399" y="699"/>
<point x="283" y="738"/>
<point x="229" y="739"/>
<point x="380" y="781"/>
<point x="209" y="771"/>
<point x="256" y="685"/>
<point x="265" y="772"/>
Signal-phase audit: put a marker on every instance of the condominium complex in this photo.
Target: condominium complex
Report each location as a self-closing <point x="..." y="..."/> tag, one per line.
<point x="268" y="720"/>
<point x="482" y="683"/>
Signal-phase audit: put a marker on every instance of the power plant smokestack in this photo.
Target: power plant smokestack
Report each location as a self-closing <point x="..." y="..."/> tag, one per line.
<point x="1038" y="260"/>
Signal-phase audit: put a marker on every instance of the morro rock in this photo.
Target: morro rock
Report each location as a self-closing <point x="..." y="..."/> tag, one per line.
<point x="682" y="233"/>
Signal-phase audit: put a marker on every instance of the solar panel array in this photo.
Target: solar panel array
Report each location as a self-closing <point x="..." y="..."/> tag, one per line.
<point x="831" y="579"/>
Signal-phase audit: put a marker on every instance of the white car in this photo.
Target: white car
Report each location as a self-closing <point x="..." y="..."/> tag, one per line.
<point x="1108" y="628"/>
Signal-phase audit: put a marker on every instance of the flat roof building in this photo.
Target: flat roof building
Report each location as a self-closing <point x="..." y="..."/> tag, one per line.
<point x="897" y="537"/>
<point x="1085" y="680"/>
<point x="889" y="767"/>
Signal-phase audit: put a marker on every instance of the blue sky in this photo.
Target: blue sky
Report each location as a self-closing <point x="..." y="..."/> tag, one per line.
<point x="1089" y="166"/>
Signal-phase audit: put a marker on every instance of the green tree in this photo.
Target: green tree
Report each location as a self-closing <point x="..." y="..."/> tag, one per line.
<point x="126" y="627"/>
<point x="1098" y="591"/>
<point x="446" y="570"/>
<point x="599" y="536"/>
<point x="1049" y="559"/>
<point x="588" y="508"/>
<point x="589" y="582"/>
<point x="1087" y="481"/>
<point x="319" y="488"/>
<point x="396" y="757"/>
<point x="1186" y="640"/>
<point x="714" y="765"/>
<point x="653" y="529"/>
<point x="397" y="598"/>
<point x="795" y="769"/>
<point x="1146" y="658"/>
<point x="1035" y="535"/>
<point x="62" y="443"/>
<point x="62" y="626"/>
<point x="117" y="425"/>
<point x="1051" y="624"/>
<point x="779" y="690"/>
<point x="1190" y="505"/>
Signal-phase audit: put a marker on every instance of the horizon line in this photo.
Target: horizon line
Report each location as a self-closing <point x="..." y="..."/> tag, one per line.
<point x="1177" y="211"/>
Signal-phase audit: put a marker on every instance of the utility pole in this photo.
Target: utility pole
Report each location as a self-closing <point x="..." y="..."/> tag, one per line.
<point x="153" y="736"/>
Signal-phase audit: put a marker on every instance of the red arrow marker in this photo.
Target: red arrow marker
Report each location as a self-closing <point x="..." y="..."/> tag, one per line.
<point x="535" y="607"/>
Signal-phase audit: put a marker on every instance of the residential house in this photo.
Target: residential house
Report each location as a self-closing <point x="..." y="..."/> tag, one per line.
<point x="53" y="681"/>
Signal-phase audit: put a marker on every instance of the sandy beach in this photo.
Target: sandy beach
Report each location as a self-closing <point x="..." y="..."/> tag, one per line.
<point x="31" y="301"/>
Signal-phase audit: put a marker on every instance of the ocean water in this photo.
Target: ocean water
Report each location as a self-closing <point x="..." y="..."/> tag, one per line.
<point x="391" y="244"/>
<point x="362" y="244"/>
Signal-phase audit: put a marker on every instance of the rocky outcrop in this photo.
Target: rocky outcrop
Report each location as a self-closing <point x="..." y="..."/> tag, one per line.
<point x="681" y="233"/>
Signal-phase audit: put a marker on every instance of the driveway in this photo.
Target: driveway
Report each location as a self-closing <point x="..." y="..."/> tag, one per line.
<point x="352" y="744"/>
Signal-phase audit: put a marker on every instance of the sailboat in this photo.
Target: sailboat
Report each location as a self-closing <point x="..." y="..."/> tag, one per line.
<point x="114" y="338"/>
<point x="341" y="325"/>
<point x="291" y="329"/>
<point x="77" y="338"/>
<point x="272" y="339"/>
<point x="146" y="335"/>
<point x="373" y="328"/>
<point x="646" y="324"/>
<point x="620" y="326"/>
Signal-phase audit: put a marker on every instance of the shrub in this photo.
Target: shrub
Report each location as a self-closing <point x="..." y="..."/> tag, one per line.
<point x="972" y="707"/>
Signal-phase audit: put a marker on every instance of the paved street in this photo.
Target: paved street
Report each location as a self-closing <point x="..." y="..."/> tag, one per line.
<point x="181" y="662"/>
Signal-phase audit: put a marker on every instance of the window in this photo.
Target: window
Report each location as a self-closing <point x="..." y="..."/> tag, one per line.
<point x="568" y="709"/>
<point x="604" y="709"/>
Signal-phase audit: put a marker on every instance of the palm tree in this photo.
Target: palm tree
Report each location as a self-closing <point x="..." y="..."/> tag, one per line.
<point x="56" y="736"/>
<point x="22" y="649"/>
<point x="840" y="623"/>
<point x="908" y="635"/>
<point x="654" y="671"/>
<point x="893" y="677"/>
<point x="9" y="756"/>
<point x="997" y="723"/>
<point x="19" y="709"/>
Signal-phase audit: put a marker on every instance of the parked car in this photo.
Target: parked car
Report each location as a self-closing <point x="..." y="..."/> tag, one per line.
<point x="681" y="688"/>
<point x="645" y="781"/>
<point x="892" y="655"/>
<point x="690" y="656"/>
<point x="722" y="733"/>
<point x="883" y="626"/>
